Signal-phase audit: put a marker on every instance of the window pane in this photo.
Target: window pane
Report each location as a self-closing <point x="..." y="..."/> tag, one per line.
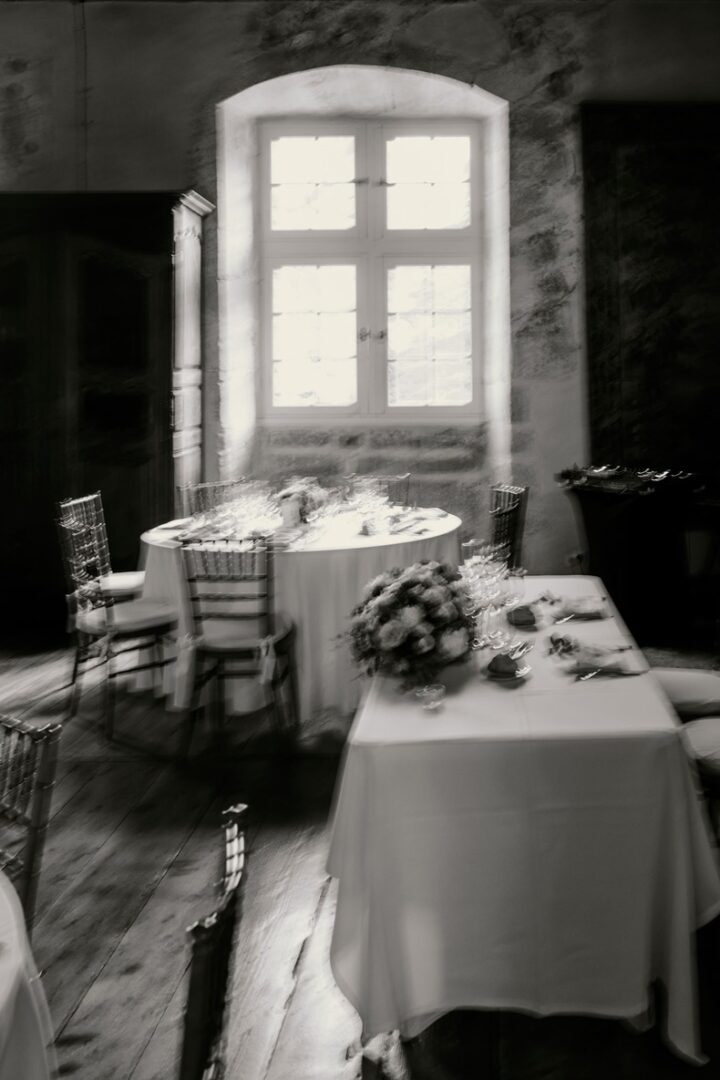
<point x="429" y="335"/>
<point x="428" y="181"/>
<point x="453" y="382"/>
<point x="409" y="383"/>
<point x="314" y="335"/>
<point x="312" y="182"/>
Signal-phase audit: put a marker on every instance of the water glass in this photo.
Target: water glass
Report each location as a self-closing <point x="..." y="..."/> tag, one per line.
<point x="431" y="697"/>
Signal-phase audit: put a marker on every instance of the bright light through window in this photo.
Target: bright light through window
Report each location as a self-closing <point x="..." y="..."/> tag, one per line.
<point x="429" y="336"/>
<point x="428" y="181"/>
<point x="314" y="335"/>
<point x="312" y="183"/>
<point x="370" y="267"/>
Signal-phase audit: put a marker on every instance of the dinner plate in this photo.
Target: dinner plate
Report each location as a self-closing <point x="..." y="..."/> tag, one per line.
<point x="177" y="524"/>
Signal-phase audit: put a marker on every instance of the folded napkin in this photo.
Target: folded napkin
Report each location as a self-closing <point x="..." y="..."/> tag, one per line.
<point x="606" y="660"/>
<point x="581" y="607"/>
<point x="503" y="666"/>
<point x="524" y="616"/>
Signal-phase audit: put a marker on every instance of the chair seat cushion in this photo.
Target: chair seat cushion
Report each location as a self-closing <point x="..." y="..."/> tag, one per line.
<point x="123" y="584"/>
<point x="703" y="738"/>
<point x="692" y="691"/>
<point x="232" y="635"/>
<point x="134" y="616"/>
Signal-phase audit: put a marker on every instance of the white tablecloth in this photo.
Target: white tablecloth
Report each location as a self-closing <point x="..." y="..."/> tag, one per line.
<point x="316" y="586"/>
<point x="538" y="847"/>
<point x="26" y="1034"/>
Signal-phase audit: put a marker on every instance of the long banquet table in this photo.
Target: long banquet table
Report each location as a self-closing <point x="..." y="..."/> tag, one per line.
<point x="538" y="846"/>
<point x="317" y="585"/>
<point x="26" y="1034"/>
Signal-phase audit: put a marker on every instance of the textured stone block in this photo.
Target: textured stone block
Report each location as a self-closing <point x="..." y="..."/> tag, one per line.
<point x="283" y="465"/>
<point x="440" y="462"/>
<point x="450" y="461"/>
<point x="431" y="437"/>
<point x="350" y="440"/>
<point x="300" y="436"/>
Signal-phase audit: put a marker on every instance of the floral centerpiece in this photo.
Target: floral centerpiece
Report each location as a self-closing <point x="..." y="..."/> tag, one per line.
<point x="308" y="494"/>
<point x="412" y="622"/>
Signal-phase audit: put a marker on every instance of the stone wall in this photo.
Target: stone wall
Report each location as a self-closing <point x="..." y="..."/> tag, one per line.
<point x="122" y="95"/>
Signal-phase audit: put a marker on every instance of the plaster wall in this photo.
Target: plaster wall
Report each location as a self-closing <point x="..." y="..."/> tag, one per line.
<point x="122" y="95"/>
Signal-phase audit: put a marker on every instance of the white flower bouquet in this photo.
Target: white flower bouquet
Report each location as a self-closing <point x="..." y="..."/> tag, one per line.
<point x="412" y="622"/>
<point x="307" y="491"/>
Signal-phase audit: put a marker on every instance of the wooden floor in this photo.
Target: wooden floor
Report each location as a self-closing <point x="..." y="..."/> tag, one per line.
<point x="130" y="862"/>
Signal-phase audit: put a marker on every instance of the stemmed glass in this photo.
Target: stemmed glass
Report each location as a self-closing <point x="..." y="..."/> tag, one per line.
<point x="483" y="569"/>
<point x="511" y="589"/>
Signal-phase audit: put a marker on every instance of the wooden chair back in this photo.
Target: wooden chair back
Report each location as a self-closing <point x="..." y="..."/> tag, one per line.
<point x="87" y="511"/>
<point x="86" y="559"/>
<point x="508" y="504"/>
<point x="232" y="579"/>
<point x="396" y="487"/>
<point x="28" y="762"/>
<point x="200" y="498"/>
<point x="211" y="954"/>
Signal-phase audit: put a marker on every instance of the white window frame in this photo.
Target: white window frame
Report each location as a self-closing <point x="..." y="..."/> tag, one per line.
<point x="372" y="248"/>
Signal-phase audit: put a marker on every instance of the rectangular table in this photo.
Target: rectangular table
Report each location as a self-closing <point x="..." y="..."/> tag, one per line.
<point x="538" y="847"/>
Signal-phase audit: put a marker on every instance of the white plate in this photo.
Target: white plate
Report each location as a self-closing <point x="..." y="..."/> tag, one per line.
<point x="179" y="523"/>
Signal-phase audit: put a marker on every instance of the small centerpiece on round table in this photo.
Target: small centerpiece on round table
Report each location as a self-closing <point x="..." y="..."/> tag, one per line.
<point x="301" y="497"/>
<point x="411" y="623"/>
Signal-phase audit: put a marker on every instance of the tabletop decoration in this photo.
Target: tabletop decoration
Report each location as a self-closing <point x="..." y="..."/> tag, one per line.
<point x="307" y="493"/>
<point x="412" y="622"/>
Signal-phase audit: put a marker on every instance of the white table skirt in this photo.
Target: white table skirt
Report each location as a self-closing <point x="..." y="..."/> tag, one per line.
<point x="26" y="1035"/>
<point x="538" y="847"/>
<point x="316" y="586"/>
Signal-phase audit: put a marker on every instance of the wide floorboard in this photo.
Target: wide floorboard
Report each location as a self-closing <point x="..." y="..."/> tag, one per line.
<point x="131" y="860"/>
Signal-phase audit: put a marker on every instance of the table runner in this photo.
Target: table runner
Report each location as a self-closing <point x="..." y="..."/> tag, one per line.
<point x="537" y="847"/>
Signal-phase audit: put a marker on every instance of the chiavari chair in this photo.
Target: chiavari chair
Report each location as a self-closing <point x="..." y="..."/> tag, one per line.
<point x="212" y="940"/>
<point x="394" y="487"/>
<point x="237" y="633"/>
<point x="28" y="762"/>
<point x="136" y="625"/>
<point x="88" y="510"/>
<point x="508" y="504"/>
<point x="201" y="498"/>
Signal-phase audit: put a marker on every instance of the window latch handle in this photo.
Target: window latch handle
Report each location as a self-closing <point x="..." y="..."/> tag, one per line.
<point x="363" y="333"/>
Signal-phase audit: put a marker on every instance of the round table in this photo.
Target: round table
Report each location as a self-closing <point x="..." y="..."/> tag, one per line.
<point x="317" y="583"/>
<point x="26" y="1034"/>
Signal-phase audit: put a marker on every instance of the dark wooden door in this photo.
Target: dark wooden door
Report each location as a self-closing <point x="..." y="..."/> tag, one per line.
<point x="119" y="335"/>
<point x="652" y="220"/>
<point x="86" y="358"/>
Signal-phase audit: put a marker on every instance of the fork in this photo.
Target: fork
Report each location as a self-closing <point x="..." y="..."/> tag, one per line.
<point x="608" y="672"/>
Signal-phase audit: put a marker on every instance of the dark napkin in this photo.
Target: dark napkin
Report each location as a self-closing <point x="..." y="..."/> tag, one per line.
<point x="503" y="666"/>
<point x="522" y="616"/>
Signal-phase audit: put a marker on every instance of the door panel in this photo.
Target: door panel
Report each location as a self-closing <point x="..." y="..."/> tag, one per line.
<point x="653" y="283"/>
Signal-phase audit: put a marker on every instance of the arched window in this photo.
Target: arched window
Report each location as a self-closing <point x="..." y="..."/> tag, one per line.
<point x="363" y="254"/>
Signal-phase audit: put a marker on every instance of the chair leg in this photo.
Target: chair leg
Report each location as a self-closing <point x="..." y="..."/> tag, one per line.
<point x="75" y="681"/>
<point x="190" y="718"/>
<point x="110" y="695"/>
<point x="294" y="693"/>
<point x="217" y="706"/>
<point x="159" y="661"/>
<point x="186" y="733"/>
